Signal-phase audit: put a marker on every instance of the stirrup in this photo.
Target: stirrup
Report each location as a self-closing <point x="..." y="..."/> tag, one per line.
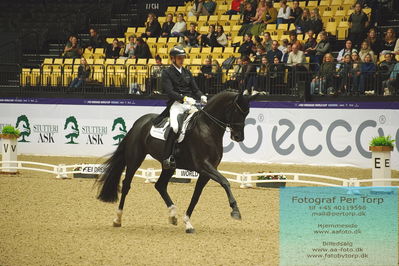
<point x="169" y="163"/>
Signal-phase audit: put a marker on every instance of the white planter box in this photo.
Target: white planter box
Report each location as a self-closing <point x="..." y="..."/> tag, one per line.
<point x="9" y="153"/>
<point x="381" y="168"/>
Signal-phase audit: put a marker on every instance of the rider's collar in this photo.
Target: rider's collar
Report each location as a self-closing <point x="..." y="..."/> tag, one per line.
<point x="178" y="69"/>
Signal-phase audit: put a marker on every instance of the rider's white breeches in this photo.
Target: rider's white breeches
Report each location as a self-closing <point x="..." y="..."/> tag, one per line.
<point x="176" y="109"/>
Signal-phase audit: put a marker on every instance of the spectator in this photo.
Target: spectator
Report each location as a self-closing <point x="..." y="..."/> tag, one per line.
<point x="296" y="57"/>
<point x="198" y="9"/>
<point x="316" y="24"/>
<point x="258" y="41"/>
<point x="365" y="50"/>
<point x="345" y="75"/>
<point x="256" y="25"/>
<point x="283" y="46"/>
<point x="392" y="82"/>
<point x="396" y="49"/>
<point x="347" y="49"/>
<point x="364" y="83"/>
<point x="389" y="42"/>
<point x="286" y="54"/>
<point x="269" y="17"/>
<point x="96" y="40"/>
<point x="248" y="14"/>
<point x="267" y="41"/>
<point x="210" y="5"/>
<point x="276" y="73"/>
<point x="284" y="13"/>
<point x="303" y="23"/>
<point x="72" y="49"/>
<point x="274" y="52"/>
<point x="358" y="22"/>
<point x="130" y="47"/>
<point x="321" y="49"/>
<point x="263" y="86"/>
<point x="221" y="38"/>
<point x="296" y="12"/>
<point x="180" y="26"/>
<point x="310" y="44"/>
<point x="155" y="74"/>
<point x="122" y="47"/>
<point x="153" y="28"/>
<point x="249" y="76"/>
<point x="374" y="42"/>
<point x="217" y="72"/>
<point x="142" y="50"/>
<point x="191" y="36"/>
<point x="260" y="52"/>
<point x="294" y="40"/>
<point x="167" y="26"/>
<point x="323" y="81"/>
<point x="113" y="50"/>
<point x="385" y="68"/>
<point x="235" y="7"/>
<point x="83" y="74"/>
<point x="235" y="80"/>
<point x="297" y="68"/>
<point x="246" y="48"/>
<point x="206" y="77"/>
<point x="210" y="38"/>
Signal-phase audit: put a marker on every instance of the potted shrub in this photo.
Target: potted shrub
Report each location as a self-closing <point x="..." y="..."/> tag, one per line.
<point x="382" y="143"/>
<point x="9" y="136"/>
<point x="381" y="148"/>
<point x="271" y="184"/>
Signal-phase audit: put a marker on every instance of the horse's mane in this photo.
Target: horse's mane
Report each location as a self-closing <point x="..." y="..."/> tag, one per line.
<point x="221" y="97"/>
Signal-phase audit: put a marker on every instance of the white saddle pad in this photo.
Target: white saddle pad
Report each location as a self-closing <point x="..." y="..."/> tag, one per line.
<point x="159" y="133"/>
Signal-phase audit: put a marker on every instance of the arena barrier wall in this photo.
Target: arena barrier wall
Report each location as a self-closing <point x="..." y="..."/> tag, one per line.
<point x="324" y="133"/>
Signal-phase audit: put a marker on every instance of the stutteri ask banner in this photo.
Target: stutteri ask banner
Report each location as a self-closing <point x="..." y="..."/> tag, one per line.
<point x="316" y="134"/>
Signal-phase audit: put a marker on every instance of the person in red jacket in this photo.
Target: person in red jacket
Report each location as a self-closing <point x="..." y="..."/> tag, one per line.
<point x="235" y="7"/>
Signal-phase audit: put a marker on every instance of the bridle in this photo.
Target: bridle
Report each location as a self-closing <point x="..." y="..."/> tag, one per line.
<point x="225" y="125"/>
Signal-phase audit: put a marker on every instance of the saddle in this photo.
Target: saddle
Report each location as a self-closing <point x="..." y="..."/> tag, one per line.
<point x="186" y="122"/>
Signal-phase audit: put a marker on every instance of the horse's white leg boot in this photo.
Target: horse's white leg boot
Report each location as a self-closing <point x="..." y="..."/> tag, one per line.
<point x="173" y="215"/>
<point x="118" y="219"/>
<point x="189" y="227"/>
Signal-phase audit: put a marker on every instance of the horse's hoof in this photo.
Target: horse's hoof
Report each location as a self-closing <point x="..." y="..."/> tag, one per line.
<point x="236" y="215"/>
<point x="173" y="220"/>
<point x="116" y="224"/>
<point x="190" y="231"/>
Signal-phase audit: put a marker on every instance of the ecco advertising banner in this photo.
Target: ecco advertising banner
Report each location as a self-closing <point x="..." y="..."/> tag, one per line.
<point x="314" y="134"/>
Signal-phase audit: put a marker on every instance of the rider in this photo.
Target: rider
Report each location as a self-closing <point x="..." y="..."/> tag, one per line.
<point x="180" y="87"/>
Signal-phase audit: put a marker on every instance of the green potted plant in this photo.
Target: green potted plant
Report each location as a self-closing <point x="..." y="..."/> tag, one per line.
<point x="9" y="136"/>
<point x="382" y="143"/>
<point x="271" y="177"/>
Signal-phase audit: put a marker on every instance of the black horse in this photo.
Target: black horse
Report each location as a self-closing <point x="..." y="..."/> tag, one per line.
<point x="200" y="151"/>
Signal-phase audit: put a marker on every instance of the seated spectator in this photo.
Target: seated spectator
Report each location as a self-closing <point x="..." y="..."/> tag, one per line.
<point x="235" y="81"/>
<point x="270" y="16"/>
<point x="392" y="82"/>
<point x="257" y="25"/>
<point x="316" y="24"/>
<point x="122" y="47"/>
<point x="209" y="39"/>
<point x="358" y="23"/>
<point x="246" y="47"/>
<point x="263" y="86"/>
<point x="72" y="49"/>
<point x="365" y="50"/>
<point x="388" y="45"/>
<point x="113" y="50"/>
<point x="210" y="5"/>
<point x="297" y="68"/>
<point x="274" y="52"/>
<point x="286" y="54"/>
<point x="296" y="12"/>
<point x="303" y="23"/>
<point x="221" y="38"/>
<point x="323" y="82"/>
<point x="294" y="40"/>
<point x="235" y="7"/>
<point x="276" y="74"/>
<point x="396" y="49"/>
<point x="345" y="75"/>
<point x="153" y="28"/>
<point x="96" y="40"/>
<point x="374" y="42"/>
<point x="296" y="57"/>
<point x="348" y="49"/>
<point x="364" y="79"/>
<point x="198" y="9"/>
<point x="385" y="67"/>
<point x="248" y="14"/>
<point x="260" y="52"/>
<point x="284" y="13"/>
<point x="309" y="44"/>
<point x="167" y="26"/>
<point x="283" y="46"/>
<point x="191" y="36"/>
<point x="321" y="49"/>
<point x="83" y="74"/>
<point x="267" y="41"/>
<point x="142" y="50"/>
<point x="130" y="47"/>
<point x="155" y="74"/>
<point x="180" y="26"/>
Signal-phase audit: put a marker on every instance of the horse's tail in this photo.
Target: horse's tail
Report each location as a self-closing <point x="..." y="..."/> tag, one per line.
<point x="109" y="180"/>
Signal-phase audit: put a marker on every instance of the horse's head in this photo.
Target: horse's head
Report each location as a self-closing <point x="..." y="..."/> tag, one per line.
<point x="236" y="116"/>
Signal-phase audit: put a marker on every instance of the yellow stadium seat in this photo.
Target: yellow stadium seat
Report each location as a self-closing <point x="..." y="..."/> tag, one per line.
<point x="172" y="40"/>
<point x="68" y="61"/>
<point x="336" y="2"/>
<point x="236" y="18"/>
<point x="312" y="3"/>
<point x="196" y="61"/>
<point x="217" y="50"/>
<point x="331" y="27"/>
<point x="171" y="9"/>
<point x="227" y="28"/>
<point x="58" y="61"/>
<point x="25" y="77"/>
<point x="140" y="30"/>
<point x="203" y="18"/>
<point x="270" y="27"/>
<point x="221" y="9"/>
<point x="349" y="2"/>
<point x="204" y="30"/>
<point x="283" y="27"/>
<point x="195" y="50"/>
<point x="224" y="18"/>
<point x="191" y="19"/>
<point x="120" y="61"/>
<point x="130" y="61"/>
<point x="237" y="39"/>
<point x="228" y="50"/>
<point x="325" y="3"/>
<point x="142" y="61"/>
<point x="213" y="19"/>
<point x="47" y="61"/>
<point x="35" y="77"/>
<point x="90" y="61"/>
<point x="235" y="29"/>
<point x="99" y="61"/>
<point x="206" y="50"/>
<point x="161" y="20"/>
<point x="181" y="9"/>
<point x="328" y="14"/>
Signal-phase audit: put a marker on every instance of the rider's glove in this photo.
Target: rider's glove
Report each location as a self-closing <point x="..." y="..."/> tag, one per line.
<point x="189" y="100"/>
<point x="204" y="99"/>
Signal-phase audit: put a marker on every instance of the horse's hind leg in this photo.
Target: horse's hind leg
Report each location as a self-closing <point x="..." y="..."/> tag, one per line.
<point x="130" y="171"/>
<point x="161" y="185"/>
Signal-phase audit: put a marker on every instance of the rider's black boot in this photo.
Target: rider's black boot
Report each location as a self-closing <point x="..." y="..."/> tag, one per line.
<point x="168" y="158"/>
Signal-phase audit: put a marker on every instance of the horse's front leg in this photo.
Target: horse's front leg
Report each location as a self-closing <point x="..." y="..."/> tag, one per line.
<point x="213" y="173"/>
